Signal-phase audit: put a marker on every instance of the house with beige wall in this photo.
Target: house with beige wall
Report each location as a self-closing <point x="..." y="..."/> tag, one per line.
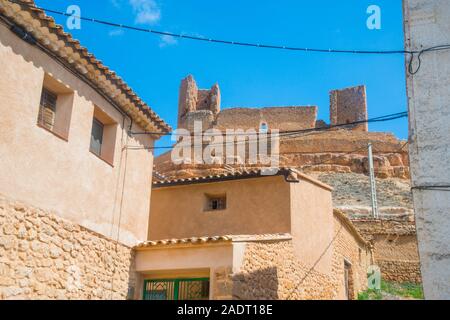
<point x="249" y="236"/>
<point x="69" y="213"/>
<point x="72" y="225"/>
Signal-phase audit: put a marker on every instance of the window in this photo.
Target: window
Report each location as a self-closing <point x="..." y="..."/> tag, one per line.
<point x="263" y="127"/>
<point x="47" y="109"/>
<point x="97" y="137"/>
<point x="177" y="289"/>
<point x="216" y="203"/>
<point x="55" y="107"/>
<point x="103" y="136"/>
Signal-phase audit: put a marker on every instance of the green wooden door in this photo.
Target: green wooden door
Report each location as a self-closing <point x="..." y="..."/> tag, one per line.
<point x="176" y="289"/>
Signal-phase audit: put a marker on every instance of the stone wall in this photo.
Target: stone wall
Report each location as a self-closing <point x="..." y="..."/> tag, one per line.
<point x="271" y="270"/>
<point x="395" y="248"/>
<point x="350" y="248"/>
<point x="400" y="271"/>
<point x="349" y="105"/>
<point x="43" y="256"/>
<point x="338" y="151"/>
<point x="279" y="118"/>
<point x="192" y="99"/>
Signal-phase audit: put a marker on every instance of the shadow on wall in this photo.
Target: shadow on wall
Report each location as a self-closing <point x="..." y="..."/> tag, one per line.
<point x="257" y="285"/>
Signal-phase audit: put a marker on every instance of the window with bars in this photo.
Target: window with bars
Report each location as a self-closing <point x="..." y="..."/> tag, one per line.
<point x="177" y="289"/>
<point x="96" y="137"/>
<point x="47" y="109"/>
<point x="216" y="203"/>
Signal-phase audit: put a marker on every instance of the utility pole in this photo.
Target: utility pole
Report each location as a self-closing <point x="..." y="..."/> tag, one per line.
<point x="373" y="186"/>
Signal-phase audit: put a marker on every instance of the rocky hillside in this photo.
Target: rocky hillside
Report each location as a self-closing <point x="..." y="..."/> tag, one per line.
<point x="352" y="194"/>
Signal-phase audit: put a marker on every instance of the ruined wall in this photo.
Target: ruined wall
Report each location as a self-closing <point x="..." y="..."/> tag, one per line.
<point x="279" y="118"/>
<point x="192" y="99"/>
<point x="395" y="248"/>
<point x="43" y="256"/>
<point x="351" y="248"/>
<point x="349" y="105"/>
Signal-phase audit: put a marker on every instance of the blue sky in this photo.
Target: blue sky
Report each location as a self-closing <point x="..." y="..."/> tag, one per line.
<point x="249" y="77"/>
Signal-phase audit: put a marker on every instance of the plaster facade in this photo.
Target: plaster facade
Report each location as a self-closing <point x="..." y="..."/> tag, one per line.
<point x="426" y="25"/>
<point x="296" y="246"/>
<point x="57" y="172"/>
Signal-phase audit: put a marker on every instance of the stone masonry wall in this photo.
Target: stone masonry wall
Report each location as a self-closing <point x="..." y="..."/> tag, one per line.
<point x="351" y="248"/>
<point x="45" y="257"/>
<point x="349" y="105"/>
<point x="395" y="248"/>
<point x="277" y="118"/>
<point x="271" y="270"/>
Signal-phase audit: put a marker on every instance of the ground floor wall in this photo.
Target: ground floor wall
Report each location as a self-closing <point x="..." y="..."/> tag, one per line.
<point x="43" y="256"/>
<point x="259" y="267"/>
<point x="351" y="255"/>
<point x="271" y="270"/>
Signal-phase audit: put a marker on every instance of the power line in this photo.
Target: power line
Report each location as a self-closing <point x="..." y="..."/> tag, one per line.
<point x="388" y="117"/>
<point x="412" y="53"/>
<point x="433" y="188"/>
<point x="289" y="134"/>
<point x="212" y="40"/>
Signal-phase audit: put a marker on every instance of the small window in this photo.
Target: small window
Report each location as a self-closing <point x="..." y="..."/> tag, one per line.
<point x="263" y="127"/>
<point x="97" y="137"/>
<point x="47" y="109"/>
<point x="103" y="136"/>
<point x="216" y="203"/>
<point x="55" y="107"/>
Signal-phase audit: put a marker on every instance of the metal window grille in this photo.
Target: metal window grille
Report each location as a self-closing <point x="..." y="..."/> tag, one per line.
<point x="176" y="289"/>
<point x="47" y="109"/>
<point x="217" y="204"/>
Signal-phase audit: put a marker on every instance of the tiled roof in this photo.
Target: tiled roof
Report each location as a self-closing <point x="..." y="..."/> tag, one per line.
<point x="53" y="37"/>
<point x="347" y="222"/>
<point x="193" y="240"/>
<point x="215" y="239"/>
<point x="288" y="173"/>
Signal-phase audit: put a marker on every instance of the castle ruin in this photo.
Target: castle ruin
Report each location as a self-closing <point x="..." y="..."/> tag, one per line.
<point x="346" y="106"/>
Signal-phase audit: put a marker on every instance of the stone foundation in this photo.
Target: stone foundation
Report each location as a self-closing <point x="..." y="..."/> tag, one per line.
<point x="45" y="257"/>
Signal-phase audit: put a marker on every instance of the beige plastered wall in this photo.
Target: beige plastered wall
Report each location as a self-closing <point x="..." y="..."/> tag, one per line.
<point x="254" y="206"/>
<point x="62" y="175"/>
<point x="189" y="261"/>
<point x="312" y="224"/>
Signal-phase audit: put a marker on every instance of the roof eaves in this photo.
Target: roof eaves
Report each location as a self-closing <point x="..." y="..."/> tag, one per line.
<point x="141" y="109"/>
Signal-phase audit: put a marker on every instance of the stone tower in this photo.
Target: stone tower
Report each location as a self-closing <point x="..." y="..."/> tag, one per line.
<point x="349" y="105"/>
<point x="197" y="104"/>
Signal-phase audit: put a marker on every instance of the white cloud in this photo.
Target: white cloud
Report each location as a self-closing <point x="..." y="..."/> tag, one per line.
<point x="167" y="40"/>
<point x="115" y="3"/>
<point x="146" y="11"/>
<point x="116" y="33"/>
